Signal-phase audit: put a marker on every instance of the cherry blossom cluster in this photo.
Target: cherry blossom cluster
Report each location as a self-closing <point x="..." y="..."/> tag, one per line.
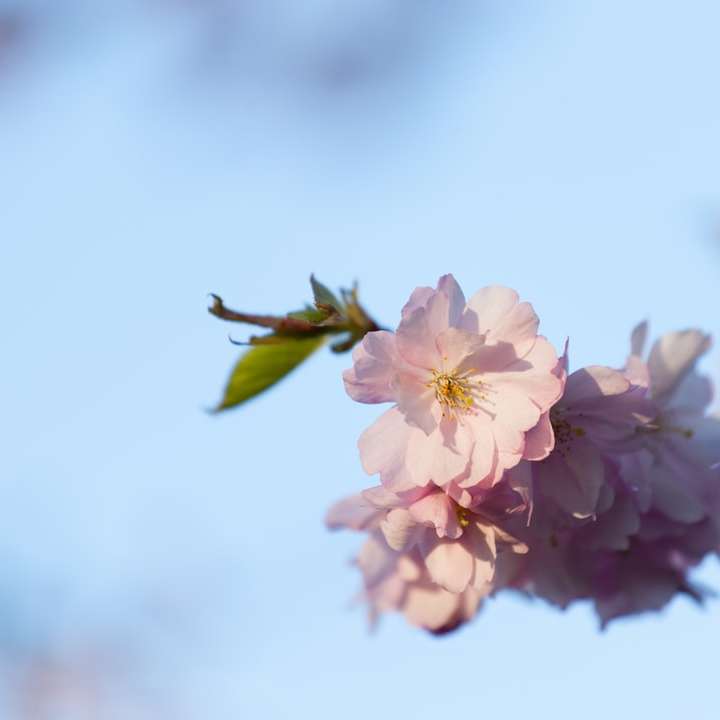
<point x="500" y="470"/>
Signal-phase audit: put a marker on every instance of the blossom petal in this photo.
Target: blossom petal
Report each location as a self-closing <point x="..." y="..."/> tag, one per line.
<point x="429" y="606"/>
<point x="489" y="306"/>
<point x="638" y="338"/>
<point x="449" y="286"/>
<point x="672" y="357"/>
<point x="418" y="298"/>
<point x="376" y="360"/>
<point x="481" y="547"/>
<point x="437" y="510"/>
<point x="540" y="440"/>
<point x="448" y="561"/>
<point x="671" y="499"/>
<point x="399" y="529"/>
<point x="384" y="449"/>
<point x="354" y="512"/>
<point x="518" y="327"/>
<point x="591" y="383"/>
<point x="416" y="401"/>
<point x="574" y="482"/>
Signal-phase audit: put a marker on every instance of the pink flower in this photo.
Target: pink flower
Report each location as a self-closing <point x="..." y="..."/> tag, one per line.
<point x="644" y="572"/>
<point x="399" y="582"/>
<point x="596" y="419"/>
<point x="468" y="380"/>
<point x="458" y="547"/>
<point x="678" y="448"/>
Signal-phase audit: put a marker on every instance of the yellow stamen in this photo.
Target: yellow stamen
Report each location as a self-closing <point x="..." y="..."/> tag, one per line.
<point x="462" y="515"/>
<point x="564" y="431"/>
<point x="454" y="390"/>
<point x="658" y="426"/>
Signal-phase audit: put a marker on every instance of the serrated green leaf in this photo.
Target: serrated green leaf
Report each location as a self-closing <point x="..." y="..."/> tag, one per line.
<point x="264" y="365"/>
<point x="324" y="296"/>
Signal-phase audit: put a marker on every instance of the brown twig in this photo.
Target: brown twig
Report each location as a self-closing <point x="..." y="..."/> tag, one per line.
<point x="280" y="324"/>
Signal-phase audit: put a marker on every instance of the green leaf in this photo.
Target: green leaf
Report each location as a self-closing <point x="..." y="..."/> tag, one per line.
<point x="264" y="365"/>
<point x="311" y="314"/>
<point x="324" y="297"/>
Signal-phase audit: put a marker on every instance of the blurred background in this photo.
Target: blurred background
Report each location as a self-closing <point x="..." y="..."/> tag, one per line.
<point x="159" y="562"/>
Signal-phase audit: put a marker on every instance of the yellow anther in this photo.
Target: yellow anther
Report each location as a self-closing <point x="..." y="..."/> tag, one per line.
<point x="462" y="516"/>
<point x="453" y="390"/>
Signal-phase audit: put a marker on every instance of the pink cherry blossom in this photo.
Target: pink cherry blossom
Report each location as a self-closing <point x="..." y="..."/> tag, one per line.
<point x="623" y="562"/>
<point x="457" y="547"/>
<point x="399" y="582"/>
<point x="501" y="472"/>
<point x="678" y="448"/>
<point x="468" y="381"/>
<point x="596" y="419"/>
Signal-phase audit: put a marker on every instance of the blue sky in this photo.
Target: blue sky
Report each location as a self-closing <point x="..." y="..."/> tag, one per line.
<point x="567" y="149"/>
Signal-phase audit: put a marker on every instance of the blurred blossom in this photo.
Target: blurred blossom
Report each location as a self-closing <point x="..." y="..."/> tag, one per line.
<point x="65" y="656"/>
<point x="85" y="683"/>
<point x="16" y="27"/>
<point x="321" y="43"/>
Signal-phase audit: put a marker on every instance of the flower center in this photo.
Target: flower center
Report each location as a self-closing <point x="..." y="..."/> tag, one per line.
<point x="463" y="516"/>
<point x="564" y="431"/>
<point x="452" y="390"/>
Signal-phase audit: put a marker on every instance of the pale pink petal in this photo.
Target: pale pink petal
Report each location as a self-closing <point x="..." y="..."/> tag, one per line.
<point x="481" y="547"/>
<point x="612" y="530"/>
<point x="518" y="327"/>
<point x="638" y="338"/>
<point x="489" y="306"/>
<point x="574" y="482"/>
<point x="449" y="286"/>
<point x="381" y="497"/>
<point x="535" y="390"/>
<point x="354" y="512"/>
<point x="484" y="453"/>
<point x="429" y="606"/>
<point x="417" y="299"/>
<point x="591" y="383"/>
<point x="375" y="560"/>
<point x="418" y="331"/>
<point x="540" y="440"/>
<point x="543" y="358"/>
<point x="429" y="460"/>
<point x="438" y="511"/>
<point x="673" y="500"/>
<point x="672" y="356"/>
<point x="512" y="406"/>
<point x="636" y="371"/>
<point x="399" y="529"/>
<point x="384" y="449"/>
<point x="416" y="401"/>
<point x="692" y="395"/>
<point x="448" y="561"/>
<point x="505" y="461"/>
<point x="456" y="345"/>
<point x="451" y="453"/>
<point x="376" y="361"/>
<point x="508" y="438"/>
<point x="489" y="359"/>
<point x="408" y="567"/>
<point x="505" y="541"/>
<point x="520" y="479"/>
